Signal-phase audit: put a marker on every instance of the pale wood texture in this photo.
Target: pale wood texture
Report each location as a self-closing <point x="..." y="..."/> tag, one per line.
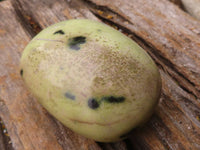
<point x="167" y="33"/>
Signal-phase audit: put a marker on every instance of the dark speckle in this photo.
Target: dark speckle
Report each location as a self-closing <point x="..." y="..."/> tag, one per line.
<point x="92" y="103"/>
<point x="99" y="30"/>
<point x="61" y="68"/>
<point x="21" y="72"/>
<point x="74" y="43"/>
<point x="70" y="96"/>
<point x="59" y="32"/>
<point x="112" y="99"/>
<point x="75" y="47"/>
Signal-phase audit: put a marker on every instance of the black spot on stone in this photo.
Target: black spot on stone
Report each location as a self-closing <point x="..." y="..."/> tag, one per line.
<point x="21" y="72"/>
<point x="92" y="103"/>
<point x="70" y="96"/>
<point x="99" y="30"/>
<point x="112" y="99"/>
<point x="74" y="43"/>
<point x="59" y="32"/>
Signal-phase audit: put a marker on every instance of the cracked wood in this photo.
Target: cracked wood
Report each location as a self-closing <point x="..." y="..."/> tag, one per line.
<point x="167" y="33"/>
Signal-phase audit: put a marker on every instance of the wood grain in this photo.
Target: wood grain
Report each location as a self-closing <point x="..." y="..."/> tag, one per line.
<point x="2" y="143"/>
<point x="166" y="32"/>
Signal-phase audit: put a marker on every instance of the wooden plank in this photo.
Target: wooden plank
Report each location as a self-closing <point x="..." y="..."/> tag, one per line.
<point x="29" y="125"/>
<point x="168" y="34"/>
<point x="47" y="12"/>
<point x="2" y="143"/>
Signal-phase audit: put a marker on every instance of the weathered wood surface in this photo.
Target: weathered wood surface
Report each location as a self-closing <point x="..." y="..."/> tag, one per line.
<point x="5" y="142"/>
<point x="168" y="34"/>
<point x="2" y="143"/>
